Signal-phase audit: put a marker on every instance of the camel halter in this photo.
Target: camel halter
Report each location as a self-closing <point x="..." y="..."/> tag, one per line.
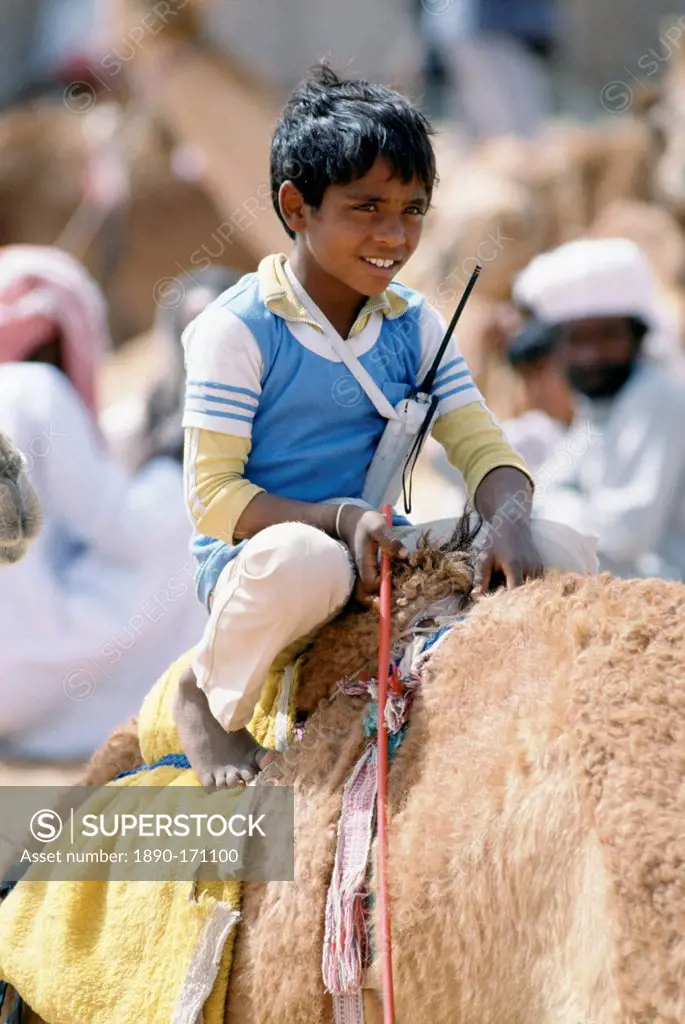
<point x="368" y="784"/>
<point x="384" y="634"/>
<point x="363" y="813"/>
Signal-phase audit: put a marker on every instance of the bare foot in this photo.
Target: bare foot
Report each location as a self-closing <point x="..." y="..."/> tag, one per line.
<point x="220" y="759"/>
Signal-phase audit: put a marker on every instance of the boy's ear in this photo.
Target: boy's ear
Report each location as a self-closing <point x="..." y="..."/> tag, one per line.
<point x="293" y="206"/>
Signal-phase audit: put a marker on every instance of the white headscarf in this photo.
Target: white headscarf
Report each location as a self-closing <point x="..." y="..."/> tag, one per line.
<point x="597" y="277"/>
<point x="41" y="289"/>
<point x="589" y="277"/>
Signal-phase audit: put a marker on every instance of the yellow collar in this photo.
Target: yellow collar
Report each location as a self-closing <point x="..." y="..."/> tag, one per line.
<point x="280" y="298"/>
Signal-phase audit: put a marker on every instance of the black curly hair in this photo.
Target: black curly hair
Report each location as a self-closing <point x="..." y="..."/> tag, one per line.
<point x="332" y="130"/>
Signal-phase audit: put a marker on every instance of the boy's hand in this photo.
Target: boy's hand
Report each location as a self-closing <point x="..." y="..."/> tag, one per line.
<point x="509" y="549"/>
<point x="366" y="533"/>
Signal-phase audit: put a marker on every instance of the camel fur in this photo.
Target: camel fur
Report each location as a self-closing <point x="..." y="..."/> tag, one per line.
<point x="536" y="812"/>
<point x="20" y="514"/>
<point x="543" y="760"/>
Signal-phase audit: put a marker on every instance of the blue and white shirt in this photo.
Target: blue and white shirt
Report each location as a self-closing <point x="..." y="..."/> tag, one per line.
<point x="260" y="367"/>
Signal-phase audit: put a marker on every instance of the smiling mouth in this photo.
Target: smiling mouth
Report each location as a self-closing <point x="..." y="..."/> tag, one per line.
<point x="381" y="264"/>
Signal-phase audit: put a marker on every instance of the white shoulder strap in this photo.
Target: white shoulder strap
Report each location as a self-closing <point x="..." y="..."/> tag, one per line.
<point x="363" y="377"/>
<point x="341" y="349"/>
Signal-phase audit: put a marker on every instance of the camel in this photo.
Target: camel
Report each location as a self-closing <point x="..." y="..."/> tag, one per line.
<point x="151" y="180"/>
<point x="20" y="514"/>
<point x="161" y="215"/>
<point x="156" y="143"/>
<point x="536" y="810"/>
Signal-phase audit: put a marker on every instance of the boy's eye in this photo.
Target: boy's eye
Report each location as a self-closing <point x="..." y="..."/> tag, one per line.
<point x="414" y="211"/>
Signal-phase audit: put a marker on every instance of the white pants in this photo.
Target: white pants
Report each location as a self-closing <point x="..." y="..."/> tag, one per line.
<point x="289" y="580"/>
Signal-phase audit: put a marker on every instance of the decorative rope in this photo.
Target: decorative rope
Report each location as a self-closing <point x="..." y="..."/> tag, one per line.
<point x="349" y="1009"/>
<point x="346" y="936"/>
<point x="347" y="945"/>
<point x="432" y="640"/>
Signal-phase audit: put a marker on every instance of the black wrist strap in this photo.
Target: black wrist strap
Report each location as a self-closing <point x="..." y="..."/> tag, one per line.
<point x="414" y="452"/>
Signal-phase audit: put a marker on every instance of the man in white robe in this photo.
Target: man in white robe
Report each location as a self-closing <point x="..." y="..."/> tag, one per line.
<point x="619" y="473"/>
<point x="538" y="431"/>
<point x="104" y="598"/>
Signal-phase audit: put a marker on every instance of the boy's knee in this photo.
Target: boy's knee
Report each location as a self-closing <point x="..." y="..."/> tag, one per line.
<point x="297" y="556"/>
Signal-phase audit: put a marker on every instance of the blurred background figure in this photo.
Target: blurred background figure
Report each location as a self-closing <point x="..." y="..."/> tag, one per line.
<point x="16" y="44"/>
<point x="104" y="600"/>
<point x="70" y="36"/>
<point x="547" y="394"/>
<point x="496" y="53"/>
<point x="603" y="274"/>
<point x="147" y="423"/>
<point x="619" y="472"/>
<point x="45" y="43"/>
<point x="164" y="408"/>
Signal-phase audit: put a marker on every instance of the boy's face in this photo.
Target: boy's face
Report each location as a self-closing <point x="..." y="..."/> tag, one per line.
<point x="364" y="232"/>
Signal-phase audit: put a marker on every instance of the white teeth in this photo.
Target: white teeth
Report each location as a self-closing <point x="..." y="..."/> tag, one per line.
<point x="379" y="263"/>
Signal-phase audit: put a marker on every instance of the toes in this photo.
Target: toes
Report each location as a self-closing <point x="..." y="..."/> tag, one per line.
<point x="208" y="782"/>
<point x="231" y="776"/>
<point x="228" y="778"/>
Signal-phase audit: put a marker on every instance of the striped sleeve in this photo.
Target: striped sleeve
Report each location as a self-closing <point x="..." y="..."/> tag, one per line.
<point x="454" y="384"/>
<point x="223" y="373"/>
<point x="475" y="444"/>
<point x="216" y="490"/>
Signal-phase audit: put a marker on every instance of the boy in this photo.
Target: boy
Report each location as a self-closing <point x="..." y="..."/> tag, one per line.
<point x="276" y="426"/>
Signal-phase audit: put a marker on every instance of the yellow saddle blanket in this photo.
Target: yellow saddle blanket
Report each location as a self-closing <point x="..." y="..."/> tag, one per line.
<point x="91" y="952"/>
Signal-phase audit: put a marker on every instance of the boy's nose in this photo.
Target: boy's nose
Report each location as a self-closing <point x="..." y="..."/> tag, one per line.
<point x="390" y="231"/>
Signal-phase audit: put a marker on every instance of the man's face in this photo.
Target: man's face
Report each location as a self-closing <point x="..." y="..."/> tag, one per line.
<point x="598" y="354"/>
<point x="374" y="218"/>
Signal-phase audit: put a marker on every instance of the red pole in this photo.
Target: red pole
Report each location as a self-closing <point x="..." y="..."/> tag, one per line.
<point x="382" y="799"/>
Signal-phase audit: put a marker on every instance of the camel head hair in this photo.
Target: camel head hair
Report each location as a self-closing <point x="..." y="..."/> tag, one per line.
<point x="435" y="579"/>
<point x="20" y="515"/>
